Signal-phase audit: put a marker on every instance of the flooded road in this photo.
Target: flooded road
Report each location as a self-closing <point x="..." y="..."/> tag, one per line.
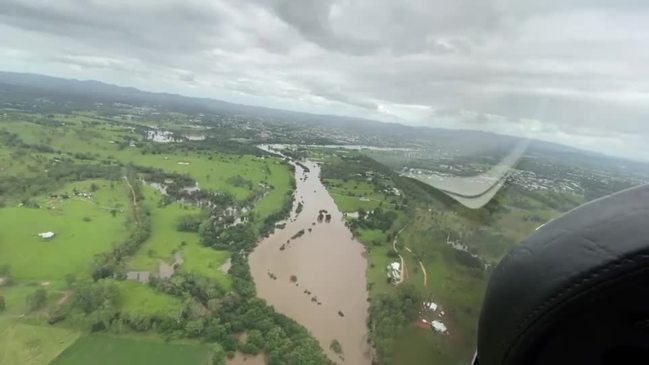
<point x="314" y="271"/>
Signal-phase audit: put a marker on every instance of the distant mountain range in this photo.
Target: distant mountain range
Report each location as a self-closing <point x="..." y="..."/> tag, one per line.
<point x="22" y="87"/>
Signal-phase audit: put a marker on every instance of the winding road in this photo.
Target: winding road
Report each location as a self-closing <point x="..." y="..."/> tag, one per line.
<point x="136" y="208"/>
<point x="423" y="269"/>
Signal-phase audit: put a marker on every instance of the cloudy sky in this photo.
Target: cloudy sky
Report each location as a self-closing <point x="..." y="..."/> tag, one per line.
<point x="575" y="72"/>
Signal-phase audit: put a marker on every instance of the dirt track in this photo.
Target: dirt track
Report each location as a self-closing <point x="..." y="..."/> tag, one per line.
<point x="136" y="207"/>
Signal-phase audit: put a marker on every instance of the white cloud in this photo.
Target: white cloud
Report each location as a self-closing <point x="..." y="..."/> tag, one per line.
<point x="574" y="72"/>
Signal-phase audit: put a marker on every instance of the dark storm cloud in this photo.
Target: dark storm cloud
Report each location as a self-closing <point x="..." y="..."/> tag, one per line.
<point x="560" y="70"/>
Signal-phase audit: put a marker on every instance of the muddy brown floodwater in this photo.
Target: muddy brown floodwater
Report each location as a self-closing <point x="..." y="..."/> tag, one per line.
<point x="329" y="297"/>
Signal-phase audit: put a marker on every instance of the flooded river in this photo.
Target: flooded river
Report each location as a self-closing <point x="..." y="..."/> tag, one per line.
<point x="318" y="278"/>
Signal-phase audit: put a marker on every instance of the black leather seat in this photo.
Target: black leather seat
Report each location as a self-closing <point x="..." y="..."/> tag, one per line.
<point x="576" y="291"/>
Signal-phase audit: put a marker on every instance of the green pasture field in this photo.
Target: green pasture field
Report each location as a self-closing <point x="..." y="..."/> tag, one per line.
<point x="72" y="137"/>
<point x="206" y="261"/>
<point x="416" y="345"/>
<point x="377" y="262"/>
<point x="144" y="301"/>
<point x="13" y="163"/>
<point x="280" y="179"/>
<point x="107" y="350"/>
<point x="211" y="174"/>
<point x="352" y="195"/>
<point x="165" y="240"/>
<point x="26" y="344"/>
<point x="83" y="228"/>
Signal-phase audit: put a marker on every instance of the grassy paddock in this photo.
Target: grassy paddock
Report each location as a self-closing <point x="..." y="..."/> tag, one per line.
<point x="32" y="345"/>
<point x="107" y="350"/>
<point x="142" y="300"/>
<point x="211" y="174"/>
<point x="83" y="228"/>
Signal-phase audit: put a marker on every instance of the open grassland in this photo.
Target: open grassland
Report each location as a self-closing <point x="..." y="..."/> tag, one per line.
<point x="206" y="261"/>
<point x="165" y="240"/>
<point x="212" y="172"/>
<point x="279" y="181"/>
<point x="424" y="346"/>
<point x="83" y="228"/>
<point x="70" y="136"/>
<point x="352" y="195"/>
<point x="143" y="301"/>
<point x="13" y="163"/>
<point x="26" y="344"/>
<point x="106" y="350"/>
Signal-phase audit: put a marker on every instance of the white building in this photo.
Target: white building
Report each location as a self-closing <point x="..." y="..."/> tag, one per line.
<point x="438" y="326"/>
<point x="46" y="235"/>
<point x="430" y="305"/>
<point x="394" y="271"/>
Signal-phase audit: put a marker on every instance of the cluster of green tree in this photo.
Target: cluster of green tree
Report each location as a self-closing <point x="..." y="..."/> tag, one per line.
<point x="55" y="177"/>
<point x="297" y="154"/>
<point x="299" y="234"/>
<point x="388" y="314"/>
<point x="377" y="219"/>
<point x="562" y="202"/>
<point x="212" y="143"/>
<point x="88" y="156"/>
<point x="466" y="259"/>
<point x="336" y="347"/>
<point x="303" y="166"/>
<point x="189" y="222"/>
<point x="95" y="306"/>
<point x="493" y="241"/>
<point x="354" y="166"/>
<point x="152" y="174"/>
<point x="13" y="140"/>
<point x="36" y="300"/>
<point x="239" y="181"/>
<point x="299" y="208"/>
<point x="69" y="171"/>
<point x="268" y="224"/>
<point x="189" y="284"/>
<point x="217" y="201"/>
<point x="237" y="237"/>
